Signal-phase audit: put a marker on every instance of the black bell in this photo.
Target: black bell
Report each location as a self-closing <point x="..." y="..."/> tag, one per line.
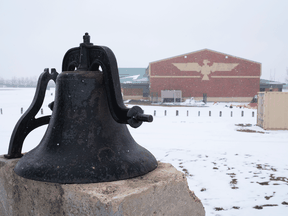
<point x="87" y="139"/>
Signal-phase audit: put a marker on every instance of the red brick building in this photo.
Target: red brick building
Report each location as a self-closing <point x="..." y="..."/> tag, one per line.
<point x="222" y="77"/>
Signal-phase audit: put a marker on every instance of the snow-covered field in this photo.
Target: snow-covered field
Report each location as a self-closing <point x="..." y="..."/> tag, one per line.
<point x="232" y="172"/>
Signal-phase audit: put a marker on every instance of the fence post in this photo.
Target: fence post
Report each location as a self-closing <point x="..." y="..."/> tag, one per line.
<point x="156" y="97"/>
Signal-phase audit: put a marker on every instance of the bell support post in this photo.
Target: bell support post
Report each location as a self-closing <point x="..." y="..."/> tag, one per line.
<point x="28" y="122"/>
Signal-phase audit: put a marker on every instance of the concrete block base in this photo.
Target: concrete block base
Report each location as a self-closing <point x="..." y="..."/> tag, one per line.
<point x="163" y="191"/>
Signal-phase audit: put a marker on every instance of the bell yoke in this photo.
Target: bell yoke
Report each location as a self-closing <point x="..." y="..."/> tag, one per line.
<point x="87" y="140"/>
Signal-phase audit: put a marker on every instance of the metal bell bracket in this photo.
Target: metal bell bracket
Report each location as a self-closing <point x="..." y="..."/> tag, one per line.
<point x="28" y="122"/>
<point x="88" y="57"/>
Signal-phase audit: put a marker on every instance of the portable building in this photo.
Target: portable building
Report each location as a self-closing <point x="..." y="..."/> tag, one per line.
<point x="272" y="111"/>
<point x="171" y="96"/>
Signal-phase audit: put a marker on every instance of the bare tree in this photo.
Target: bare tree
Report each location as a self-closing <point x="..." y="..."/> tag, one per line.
<point x="286" y="78"/>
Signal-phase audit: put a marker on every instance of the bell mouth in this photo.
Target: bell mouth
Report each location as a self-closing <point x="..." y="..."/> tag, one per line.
<point x="107" y="166"/>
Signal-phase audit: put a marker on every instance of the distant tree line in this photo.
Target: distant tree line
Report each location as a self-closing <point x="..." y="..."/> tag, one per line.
<point x="286" y="78"/>
<point x="22" y="82"/>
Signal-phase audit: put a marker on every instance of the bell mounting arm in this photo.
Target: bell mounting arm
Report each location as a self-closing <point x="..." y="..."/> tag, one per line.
<point x="28" y="122"/>
<point x="89" y="57"/>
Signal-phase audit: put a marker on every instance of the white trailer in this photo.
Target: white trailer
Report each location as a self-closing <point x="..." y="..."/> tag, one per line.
<point x="171" y="96"/>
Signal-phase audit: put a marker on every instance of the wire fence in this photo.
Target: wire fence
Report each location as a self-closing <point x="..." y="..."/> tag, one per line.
<point x="205" y="113"/>
<point x="176" y="112"/>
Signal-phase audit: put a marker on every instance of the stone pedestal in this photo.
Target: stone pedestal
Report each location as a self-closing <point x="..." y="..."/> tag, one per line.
<point x="163" y="191"/>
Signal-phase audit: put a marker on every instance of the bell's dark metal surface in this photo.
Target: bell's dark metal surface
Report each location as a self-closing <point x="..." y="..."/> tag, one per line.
<point x="87" y="139"/>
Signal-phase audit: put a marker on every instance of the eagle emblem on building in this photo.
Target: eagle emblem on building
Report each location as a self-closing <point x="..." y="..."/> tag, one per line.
<point x="205" y="69"/>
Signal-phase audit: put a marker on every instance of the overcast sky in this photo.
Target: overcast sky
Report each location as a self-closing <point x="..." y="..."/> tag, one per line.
<point x="36" y="34"/>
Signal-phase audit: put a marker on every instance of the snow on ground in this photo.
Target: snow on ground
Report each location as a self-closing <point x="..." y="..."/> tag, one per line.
<point x="232" y="172"/>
